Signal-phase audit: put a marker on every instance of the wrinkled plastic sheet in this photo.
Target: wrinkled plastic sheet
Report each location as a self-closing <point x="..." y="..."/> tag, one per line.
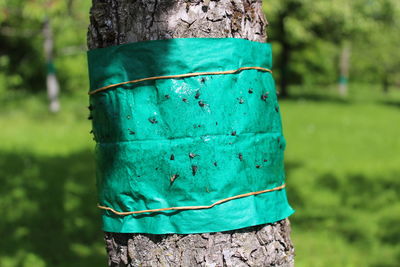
<point x="187" y="141"/>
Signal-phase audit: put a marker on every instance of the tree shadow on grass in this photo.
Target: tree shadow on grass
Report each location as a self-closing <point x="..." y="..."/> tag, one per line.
<point x="391" y="103"/>
<point x="294" y="195"/>
<point x="49" y="210"/>
<point x="361" y="208"/>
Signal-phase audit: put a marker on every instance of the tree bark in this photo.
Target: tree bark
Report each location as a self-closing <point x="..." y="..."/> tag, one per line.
<point x="114" y="22"/>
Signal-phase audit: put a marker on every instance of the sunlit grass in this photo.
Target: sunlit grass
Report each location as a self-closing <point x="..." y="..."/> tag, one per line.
<point x="48" y="193"/>
<point x="343" y="168"/>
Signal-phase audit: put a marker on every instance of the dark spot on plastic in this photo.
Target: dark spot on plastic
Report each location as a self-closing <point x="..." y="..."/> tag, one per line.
<point x="240" y="156"/>
<point x="184" y="100"/>
<point x="264" y="96"/>
<point x="167" y="96"/>
<point x="172" y="157"/>
<point x="201" y="103"/>
<point x="265" y="160"/>
<point x="131" y="132"/>
<point x="153" y="120"/>
<point x="194" y="170"/>
<point x="250" y="91"/>
<point x="258" y="166"/>
<point x="216" y="123"/>
<point x="156" y="169"/>
<point x="203" y="79"/>
<point x="215" y="164"/>
<point x="197" y="95"/>
<point x="279" y="139"/>
<point x="233" y="133"/>
<point x="276" y="109"/>
<point x="173" y="178"/>
<point x="241" y="101"/>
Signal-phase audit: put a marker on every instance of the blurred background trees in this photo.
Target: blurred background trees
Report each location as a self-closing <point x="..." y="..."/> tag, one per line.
<point x="315" y="41"/>
<point x="23" y="64"/>
<point x="311" y="36"/>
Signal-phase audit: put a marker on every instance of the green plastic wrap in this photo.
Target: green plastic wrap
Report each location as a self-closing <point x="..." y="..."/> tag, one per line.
<point x="190" y="141"/>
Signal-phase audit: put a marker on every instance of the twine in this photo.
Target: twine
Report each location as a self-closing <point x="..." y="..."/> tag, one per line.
<point x="179" y="76"/>
<point x="191" y="207"/>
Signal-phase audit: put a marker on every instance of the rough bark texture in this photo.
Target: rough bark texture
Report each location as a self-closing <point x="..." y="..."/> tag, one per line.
<point x="264" y="245"/>
<point x="116" y="22"/>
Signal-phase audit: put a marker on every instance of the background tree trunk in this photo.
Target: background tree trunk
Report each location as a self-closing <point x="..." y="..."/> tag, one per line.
<point x="345" y="54"/>
<point x="53" y="88"/>
<point x="115" y="22"/>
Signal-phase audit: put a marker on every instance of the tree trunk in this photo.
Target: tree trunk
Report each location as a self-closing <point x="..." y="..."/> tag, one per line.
<point x="385" y="83"/>
<point x="115" y="22"/>
<point x="53" y="87"/>
<point x="344" y="68"/>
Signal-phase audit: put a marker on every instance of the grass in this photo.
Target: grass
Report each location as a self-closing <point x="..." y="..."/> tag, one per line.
<point x="343" y="172"/>
<point x="48" y="185"/>
<point x="342" y="163"/>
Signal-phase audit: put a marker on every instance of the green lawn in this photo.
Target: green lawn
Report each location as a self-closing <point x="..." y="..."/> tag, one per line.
<point x="47" y="195"/>
<point x="342" y="161"/>
<point x="343" y="172"/>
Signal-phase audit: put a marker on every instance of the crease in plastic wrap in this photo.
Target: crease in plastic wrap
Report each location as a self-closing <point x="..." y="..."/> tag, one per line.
<point x="187" y="141"/>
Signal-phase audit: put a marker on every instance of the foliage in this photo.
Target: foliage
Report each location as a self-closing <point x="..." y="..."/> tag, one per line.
<point x="313" y="31"/>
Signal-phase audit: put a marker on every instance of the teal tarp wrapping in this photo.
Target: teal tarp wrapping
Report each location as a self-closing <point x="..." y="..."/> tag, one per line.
<point x="190" y="141"/>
